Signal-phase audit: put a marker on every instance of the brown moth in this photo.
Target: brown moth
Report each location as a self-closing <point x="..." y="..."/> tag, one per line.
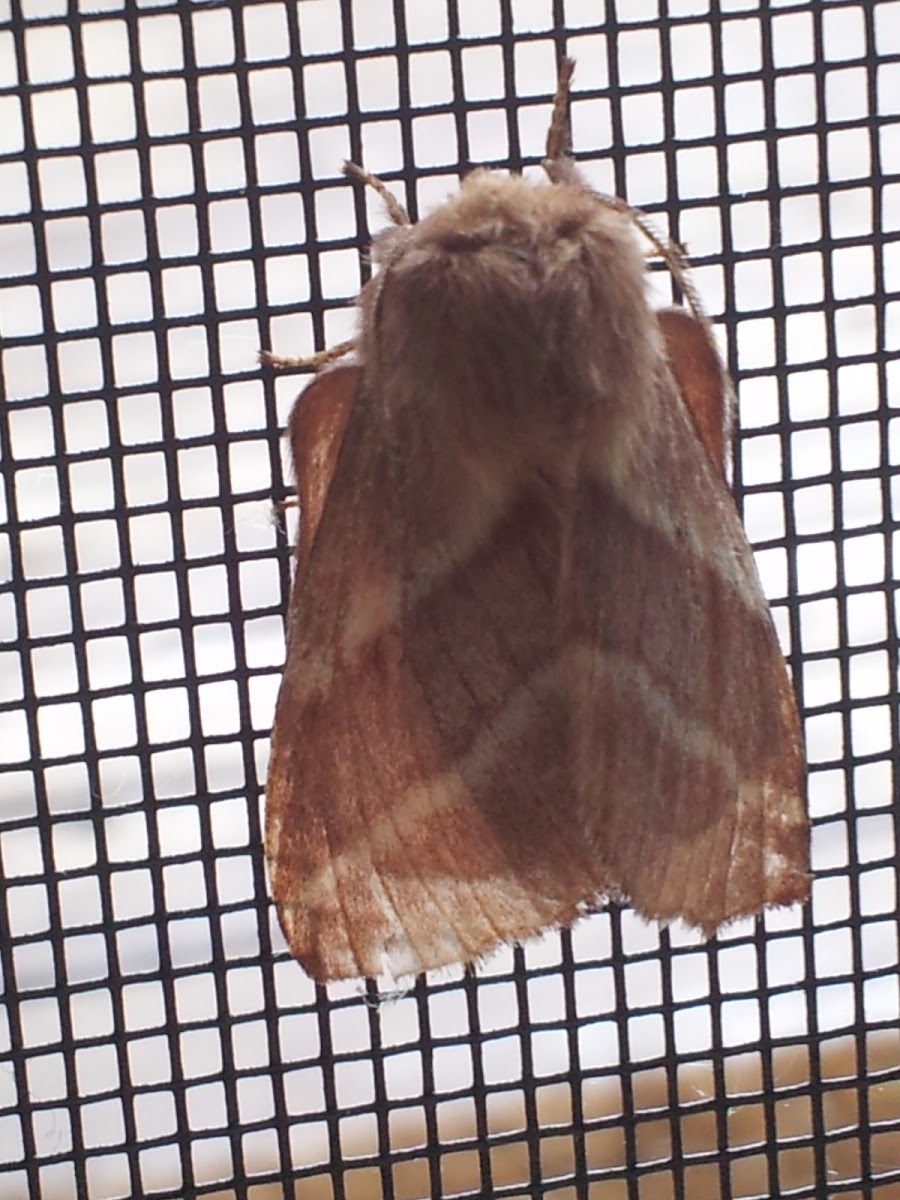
<point x="530" y="665"/>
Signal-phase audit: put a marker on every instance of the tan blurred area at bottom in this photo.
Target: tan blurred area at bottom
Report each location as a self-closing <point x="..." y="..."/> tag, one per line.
<point x="776" y="1134"/>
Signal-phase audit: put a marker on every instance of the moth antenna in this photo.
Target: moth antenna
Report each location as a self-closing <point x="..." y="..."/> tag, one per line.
<point x="673" y="256"/>
<point x="559" y="135"/>
<point x="308" y="362"/>
<point x="560" y="168"/>
<point x="557" y="162"/>
<point x="314" y="362"/>
<point x="395" y="209"/>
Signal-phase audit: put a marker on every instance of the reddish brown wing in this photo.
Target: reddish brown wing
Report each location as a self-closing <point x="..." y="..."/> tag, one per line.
<point x="691" y="769"/>
<point x="415" y="744"/>
<point x="449" y="772"/>
<point x="698" y="372"/>
<point x="521" y="674"/>
<point x="315" y="432"/>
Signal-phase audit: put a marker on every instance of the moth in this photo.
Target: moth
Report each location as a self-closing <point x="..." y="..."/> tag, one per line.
<point x="530" y="666"/>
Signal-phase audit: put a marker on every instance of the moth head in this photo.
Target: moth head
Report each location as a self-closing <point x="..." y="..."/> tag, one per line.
<point x="547" y="271"/>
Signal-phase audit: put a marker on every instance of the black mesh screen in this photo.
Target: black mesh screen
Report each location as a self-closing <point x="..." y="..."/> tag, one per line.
<point x="171" y="200"/>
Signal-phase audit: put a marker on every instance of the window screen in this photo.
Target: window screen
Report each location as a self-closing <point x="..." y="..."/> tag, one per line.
<point x="171" y="199"/>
